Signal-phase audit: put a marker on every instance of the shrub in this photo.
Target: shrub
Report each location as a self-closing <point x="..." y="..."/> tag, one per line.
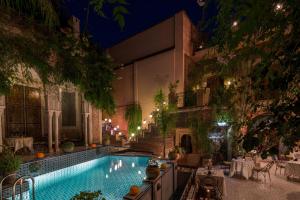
<point x="9" y="162"/>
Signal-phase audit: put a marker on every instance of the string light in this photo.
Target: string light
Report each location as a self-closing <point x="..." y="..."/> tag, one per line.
<point x="279" y="6"/>
<point x="144" y="122"/>
<point x="105" y="119"/>
<point x="138" y="128"/>
<point x="132" y="134"/>
<point x="157" y="109"/>
<point x="109" y="120"/>
<point x="235" y="23"/>
<point x="150" y="116"/>
<point x="120" y="133"/>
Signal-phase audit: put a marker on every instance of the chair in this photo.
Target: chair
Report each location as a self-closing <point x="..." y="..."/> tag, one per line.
<point x="264" y="170"/>
<point x="209" y="189"/>
<point x="279" y="165"/>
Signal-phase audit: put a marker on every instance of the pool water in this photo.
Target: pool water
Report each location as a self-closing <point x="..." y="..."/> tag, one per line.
<point x="113" y="175"/>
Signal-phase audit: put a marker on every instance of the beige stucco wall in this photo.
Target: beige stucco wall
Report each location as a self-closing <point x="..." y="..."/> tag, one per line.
<point x="156" y="58"/>
<point x="152" y="40"/>
<point x="123" y="86"/>
<point x="151" y="75"/>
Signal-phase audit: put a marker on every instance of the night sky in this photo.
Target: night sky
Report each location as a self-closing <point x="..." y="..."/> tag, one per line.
<point x="142" y="15"/>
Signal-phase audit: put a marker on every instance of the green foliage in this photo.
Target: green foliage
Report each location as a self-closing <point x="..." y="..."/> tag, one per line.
<point x="164" y="116"/>
<point x="9" y="162"/>
<point x="261" y="52"/>
<point x="42" y="10"/>
<point x="57" y="57"/>
<point x="88" y="196"/>
<point x="68" y="147"/>
<point x="200" y="130"/>
<point x="133" y="115"/>
<point x="119" y="9"/>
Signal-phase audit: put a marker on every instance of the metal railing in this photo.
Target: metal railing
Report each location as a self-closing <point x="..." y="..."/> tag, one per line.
<point x="3" y="179"/>
<point x="21" y="180"/>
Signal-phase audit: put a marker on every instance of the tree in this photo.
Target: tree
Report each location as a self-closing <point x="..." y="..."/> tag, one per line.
<point x="133" y="116"/>
<point x="258" y="46"/>
<point x="164" y="116"/>
<point x="39" y="44"/>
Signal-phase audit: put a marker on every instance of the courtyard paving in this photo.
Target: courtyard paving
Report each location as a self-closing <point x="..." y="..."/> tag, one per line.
<point x="279" y="189"/>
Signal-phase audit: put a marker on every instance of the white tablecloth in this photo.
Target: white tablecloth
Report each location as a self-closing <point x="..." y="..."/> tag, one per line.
<point x="292" y="168"/>
<point x="20" y="142"/>
<point x="241" y="166"/>
<point x="216" y="173"/>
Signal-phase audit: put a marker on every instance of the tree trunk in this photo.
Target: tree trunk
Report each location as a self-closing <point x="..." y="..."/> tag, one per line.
<point x="164" y="146"/>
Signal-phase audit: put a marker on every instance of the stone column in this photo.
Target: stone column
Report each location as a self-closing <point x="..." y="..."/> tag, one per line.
<point x="86" y="129"/>
<point x="56" y="136"/>
<point x="50" y="115"/>
<point x="90" y="131"/>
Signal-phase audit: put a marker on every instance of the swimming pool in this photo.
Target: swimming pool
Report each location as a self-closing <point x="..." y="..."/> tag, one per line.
<point x="113" y="175"/>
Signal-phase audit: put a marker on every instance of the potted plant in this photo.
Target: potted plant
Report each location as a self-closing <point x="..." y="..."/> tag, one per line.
<point x="107" y="140"/>
<point x="87" y="195"/>
<point x="68" y="147"/>
<point x="134" y="190"/>
<point x="10" y="163"/>
<point x="173" y="155"/>
<point x="152" y="170"/>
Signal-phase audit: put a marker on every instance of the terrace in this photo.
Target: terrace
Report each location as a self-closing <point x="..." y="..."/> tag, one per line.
<point x="196" y="101"/>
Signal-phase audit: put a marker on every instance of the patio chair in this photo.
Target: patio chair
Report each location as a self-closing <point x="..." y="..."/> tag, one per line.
<point x="263" y="170"/>
<point x="209" y="189"/>
<point x="279" y="165"/>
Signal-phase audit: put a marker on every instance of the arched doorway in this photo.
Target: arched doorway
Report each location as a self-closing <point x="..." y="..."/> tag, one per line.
<point x="186" y="143"/>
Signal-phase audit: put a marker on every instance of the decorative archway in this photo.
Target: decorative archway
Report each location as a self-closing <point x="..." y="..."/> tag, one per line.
<point x="186" y="143"/>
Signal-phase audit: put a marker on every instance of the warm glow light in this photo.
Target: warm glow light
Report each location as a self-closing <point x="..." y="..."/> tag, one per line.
<point x="138" y="128"/>
<point x="279" y="6"/>
<point x="221" y="123"/>
<point x="157" y="109"/>
<point x="235" y="23"/>
<point x="115" y="129"/>
<point x="150" y="116"/>
<point x="132" y="134"/>
<point x="118" y="126"/>
<point x="109" y="120"/>
<point x="164" y="103"/>
<point x="105" y="119"/>
<point x="120" y="133"/>
<point x="144" y="122"/>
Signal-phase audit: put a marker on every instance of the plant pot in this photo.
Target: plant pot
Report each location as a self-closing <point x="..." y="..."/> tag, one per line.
<point x="107" y="142"/>
<point x="152" y="172"/>
<point x="40" y="155"/>
<point x="134" y="190"/>
<point x="68" y="147"/>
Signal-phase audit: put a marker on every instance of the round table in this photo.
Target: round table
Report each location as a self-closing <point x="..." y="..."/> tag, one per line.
<point x="242" y="166"/>
<point x="292" y="169"/>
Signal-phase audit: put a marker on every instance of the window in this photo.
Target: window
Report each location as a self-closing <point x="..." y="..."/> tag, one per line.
<point x="68" y="109"/>
<point x="23" y="112"/>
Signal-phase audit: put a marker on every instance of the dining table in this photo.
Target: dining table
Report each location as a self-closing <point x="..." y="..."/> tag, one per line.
<point x="18" y="143"/>
<point x="218" y="174"/>
<point x="242" y="167"/>
<point x="292" y="169"/>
